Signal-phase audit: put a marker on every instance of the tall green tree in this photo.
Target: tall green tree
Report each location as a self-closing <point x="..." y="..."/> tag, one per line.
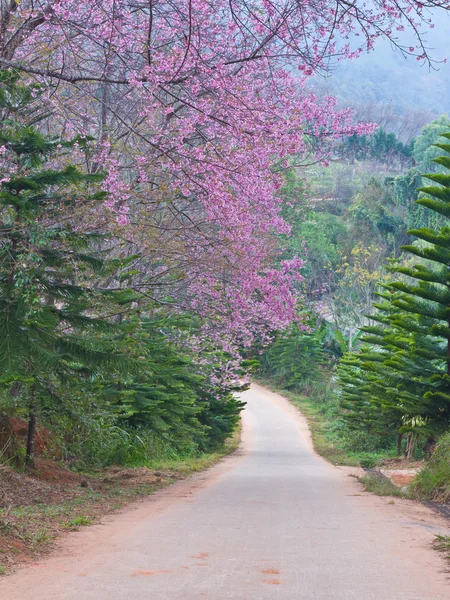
<point x="401" y="379"/>
<point x="295" y="358"/>
<point x="47" y="310"/>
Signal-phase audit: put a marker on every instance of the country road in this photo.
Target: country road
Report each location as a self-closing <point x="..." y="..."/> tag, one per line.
<point x="274" y="521"/>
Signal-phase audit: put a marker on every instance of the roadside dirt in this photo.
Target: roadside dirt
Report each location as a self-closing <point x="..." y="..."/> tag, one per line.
<point x="400" y="471"/>
<point x="38" y="506"/>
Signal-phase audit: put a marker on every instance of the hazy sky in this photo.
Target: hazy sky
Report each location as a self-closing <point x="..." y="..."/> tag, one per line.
<point x="384" y="75"/>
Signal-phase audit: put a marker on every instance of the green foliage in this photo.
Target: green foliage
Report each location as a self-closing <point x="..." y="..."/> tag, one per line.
<point x="300" y="364"/>
<point x="114" y="378"/>
<point x="442" y="544"/>
<point x="77" y="522"/>
<point x="380" y="145"/>
<point x="400" y="380"/>
<point x="405" y="193"/>
<point x="433" y="481"/>
<point x="220" y="415"/>
<point x="163" y="396"/>
<point x="381" y="486"/>
<point x="425" y="150"/>
<point x="294" y="360"/>
<point x="45" y="326"/>
<point x="317" y="237"/>
<point x="375" y="216"/>
<point x="171" y="396"/>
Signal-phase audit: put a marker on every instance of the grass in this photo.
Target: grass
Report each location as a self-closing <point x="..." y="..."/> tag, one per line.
<point x="34" y="527"/>
<point x="187" y="466"/>
<point x="382" y="486"/>
<point x="39" y="537"/>
<point x="78" y="522"/>
<point x="433" y="481"/>
<point x="442" y="544"/>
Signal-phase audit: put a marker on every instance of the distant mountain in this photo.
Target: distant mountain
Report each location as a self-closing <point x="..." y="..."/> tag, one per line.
<point x="402" y="94"/>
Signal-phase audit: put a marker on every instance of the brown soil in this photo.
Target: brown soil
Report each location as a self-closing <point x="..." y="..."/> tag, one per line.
<point x="401" y="471"/>
<point x="402" y="479"/>
<point x="401" y="463"/>
<point x="42" y="503"/>
<point x="20" y="489"/>
<point x="138" y="475"/>
<point x="43" y="438"/>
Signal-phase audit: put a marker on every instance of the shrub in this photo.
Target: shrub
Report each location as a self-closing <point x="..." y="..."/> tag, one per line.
<point x="433" y="481"/>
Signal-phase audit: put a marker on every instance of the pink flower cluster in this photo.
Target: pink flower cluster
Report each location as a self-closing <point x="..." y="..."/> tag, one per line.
<point x="204" y="99"/>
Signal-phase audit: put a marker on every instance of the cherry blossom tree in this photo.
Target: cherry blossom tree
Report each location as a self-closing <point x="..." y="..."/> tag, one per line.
<point x="197" y="108"/>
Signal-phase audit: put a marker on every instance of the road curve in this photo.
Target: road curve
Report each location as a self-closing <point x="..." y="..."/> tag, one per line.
<point x="274" y="521"/>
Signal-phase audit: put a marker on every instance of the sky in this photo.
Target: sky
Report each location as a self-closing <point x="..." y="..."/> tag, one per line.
<point x="385" y="77"/>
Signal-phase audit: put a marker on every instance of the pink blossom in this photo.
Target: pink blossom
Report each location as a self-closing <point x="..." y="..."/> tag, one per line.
<point x="200" y="110"/>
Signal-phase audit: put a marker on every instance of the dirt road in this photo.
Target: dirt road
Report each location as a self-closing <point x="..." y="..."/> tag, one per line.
<point x="275" y="521"/>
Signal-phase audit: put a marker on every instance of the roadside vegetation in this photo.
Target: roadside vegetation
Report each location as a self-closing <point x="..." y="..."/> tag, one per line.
<point x="382" y="486"/>
<point x="433" y="482"/>
<point x="442" y="544"/>
<point x="370" y="369"/>
<point x="94" y="374"/>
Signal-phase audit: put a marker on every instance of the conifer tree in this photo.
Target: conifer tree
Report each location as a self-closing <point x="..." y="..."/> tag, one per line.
<point x="295" y="359"/>
<point x="46" y="311"/>
<point x="163" y="396"/>
<point x="400" y="381"/>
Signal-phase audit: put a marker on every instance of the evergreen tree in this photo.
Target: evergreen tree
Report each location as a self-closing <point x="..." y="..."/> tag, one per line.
<point x="46" y="310"/>
<point x="132" y="369"/>
<point x="294" y="360"/>
<point x="401" y="379"/>
<point x="163" y="396"/>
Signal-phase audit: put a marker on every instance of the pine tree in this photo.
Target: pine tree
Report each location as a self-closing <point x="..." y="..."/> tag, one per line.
<point x="401" y="379"/>
<point x="163" y="396"/>
<point x="294" y="360"/>
<point x="172" y="395"/>
<point x="45" y="309"/>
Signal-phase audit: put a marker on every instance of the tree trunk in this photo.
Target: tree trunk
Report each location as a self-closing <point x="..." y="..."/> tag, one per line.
<point x="399" y="443"/>
<point x="8" y="441"/>
<point x="31" y="433"/>
<point x="411" y="441"/>
<point x="429" y="447"/>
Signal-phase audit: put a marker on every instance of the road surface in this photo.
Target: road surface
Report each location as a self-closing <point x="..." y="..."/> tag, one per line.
<point x="274" y="521"/>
